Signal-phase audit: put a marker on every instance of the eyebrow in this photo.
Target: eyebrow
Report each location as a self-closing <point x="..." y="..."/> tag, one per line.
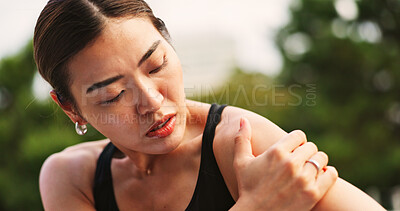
<point x="104" y="83"/>
<point x="109" y="81"/>
<point x="149" y="52"/>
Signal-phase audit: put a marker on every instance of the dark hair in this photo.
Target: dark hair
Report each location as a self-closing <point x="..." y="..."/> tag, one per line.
<point x="65" y="27"/>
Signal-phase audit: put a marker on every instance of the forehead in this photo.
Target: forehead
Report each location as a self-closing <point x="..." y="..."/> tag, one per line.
<point x="118" y="49"/>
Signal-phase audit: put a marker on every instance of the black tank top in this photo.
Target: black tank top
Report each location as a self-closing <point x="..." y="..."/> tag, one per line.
<point x="210" y="193"/>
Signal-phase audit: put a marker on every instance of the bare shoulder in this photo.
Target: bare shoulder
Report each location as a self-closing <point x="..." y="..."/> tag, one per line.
<point x="341" y="196"/>
<point x="67" y="176"/>
<point x="264" y="134"/>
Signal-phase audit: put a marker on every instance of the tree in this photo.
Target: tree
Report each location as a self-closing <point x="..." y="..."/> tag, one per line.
<point x="29" y="132"/>
<point x="339" y="84"/>
<point x="353" y="62"/>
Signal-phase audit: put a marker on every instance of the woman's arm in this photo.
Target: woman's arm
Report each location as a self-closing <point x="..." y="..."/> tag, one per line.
<point x="279" y="179"/>
<point x="342" y="195"/>
<point x="345" y="196"/>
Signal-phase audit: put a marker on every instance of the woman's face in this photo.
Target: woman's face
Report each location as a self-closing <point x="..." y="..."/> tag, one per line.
<point x="128" y="82"/>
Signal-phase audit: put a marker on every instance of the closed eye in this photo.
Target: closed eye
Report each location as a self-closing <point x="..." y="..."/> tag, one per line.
<point x="114" y="99"/>
<point x="165" y="62"/>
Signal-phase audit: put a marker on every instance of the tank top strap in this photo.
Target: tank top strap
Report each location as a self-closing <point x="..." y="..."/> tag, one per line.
<point x="103" y="191"/>
<point x="208" y="162"/>
<point x="210" y="193"/>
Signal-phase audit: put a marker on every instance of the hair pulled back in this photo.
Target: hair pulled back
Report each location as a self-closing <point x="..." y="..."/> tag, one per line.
<point x="65" y="27"/>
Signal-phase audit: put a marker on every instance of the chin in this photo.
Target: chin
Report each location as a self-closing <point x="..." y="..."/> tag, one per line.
<point x="167" y="144"/>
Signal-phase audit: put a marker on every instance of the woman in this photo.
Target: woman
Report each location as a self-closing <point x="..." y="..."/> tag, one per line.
<point x="111" y="65"/>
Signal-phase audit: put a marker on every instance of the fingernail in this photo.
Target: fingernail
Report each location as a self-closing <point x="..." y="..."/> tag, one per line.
<point x="241" y="123"/>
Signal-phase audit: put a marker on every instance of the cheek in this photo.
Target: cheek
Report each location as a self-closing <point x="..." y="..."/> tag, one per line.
<point x="172" y="84"/>
<point x="112" y="123"/>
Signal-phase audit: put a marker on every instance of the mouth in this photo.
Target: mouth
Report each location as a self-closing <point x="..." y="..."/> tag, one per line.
<point x="163" y="127"/>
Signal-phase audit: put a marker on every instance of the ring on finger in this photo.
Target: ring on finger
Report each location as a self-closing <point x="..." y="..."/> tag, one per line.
<point x="315" y="164"/>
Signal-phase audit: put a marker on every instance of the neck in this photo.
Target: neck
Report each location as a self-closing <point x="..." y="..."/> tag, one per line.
<point x="148" y="164"/>
<point x="144" y="163"/>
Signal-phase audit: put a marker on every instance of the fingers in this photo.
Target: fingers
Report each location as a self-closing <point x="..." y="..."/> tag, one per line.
<point x="292" y="140"/>
<point x="304" y="152"/>
<point x="243" y="150"/>
<point x="326" y="179"/>
<point x="320" y="159"/>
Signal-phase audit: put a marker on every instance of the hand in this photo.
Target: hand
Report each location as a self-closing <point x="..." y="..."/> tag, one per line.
<point x="280" y="178"/>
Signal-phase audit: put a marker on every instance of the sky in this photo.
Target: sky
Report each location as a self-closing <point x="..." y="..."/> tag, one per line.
<point x="17" y="21"/>
<point x="210" y="36"/>
<point x="250" y="24"/>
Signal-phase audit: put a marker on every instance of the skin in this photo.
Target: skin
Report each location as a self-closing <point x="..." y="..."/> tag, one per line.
<point x="148" y="94"/>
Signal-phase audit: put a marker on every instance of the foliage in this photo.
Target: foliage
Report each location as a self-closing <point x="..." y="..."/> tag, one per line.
<point x="340" y="84"/>
<point x="354" y="65"/>
<point x="29" y="132"/>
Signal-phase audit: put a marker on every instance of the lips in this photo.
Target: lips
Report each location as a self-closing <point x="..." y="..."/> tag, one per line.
<point x="163" y="127"/>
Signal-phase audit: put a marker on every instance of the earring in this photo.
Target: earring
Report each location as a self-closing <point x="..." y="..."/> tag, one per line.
<point x="80" y="129"/>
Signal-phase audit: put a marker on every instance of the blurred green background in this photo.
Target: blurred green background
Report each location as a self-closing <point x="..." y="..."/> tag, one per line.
<point x="340" y="84"/>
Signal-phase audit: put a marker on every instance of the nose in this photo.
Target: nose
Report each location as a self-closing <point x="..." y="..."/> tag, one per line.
<point x="150" y="101"/>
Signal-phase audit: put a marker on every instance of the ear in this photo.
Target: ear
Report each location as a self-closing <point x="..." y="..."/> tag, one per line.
<point x="68" y="109"/>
